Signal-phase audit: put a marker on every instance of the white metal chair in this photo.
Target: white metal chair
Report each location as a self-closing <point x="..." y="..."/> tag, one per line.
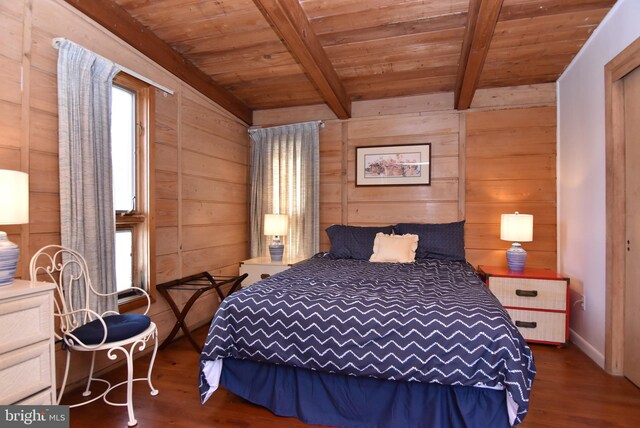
<point x="82" y="329"/>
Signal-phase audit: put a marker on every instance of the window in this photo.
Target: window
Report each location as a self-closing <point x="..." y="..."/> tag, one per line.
<point x="286" y="158"/>
<point x="132" y="184"/>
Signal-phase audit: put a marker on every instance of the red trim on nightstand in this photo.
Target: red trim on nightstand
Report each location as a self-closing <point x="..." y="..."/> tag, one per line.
<point x="529" y="308"/>
<point x="544" y="342"/>
<point x="531" y="273"/>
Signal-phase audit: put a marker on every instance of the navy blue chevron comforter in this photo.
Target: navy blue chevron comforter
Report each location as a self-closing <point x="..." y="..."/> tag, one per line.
<point x="428" y="321"/>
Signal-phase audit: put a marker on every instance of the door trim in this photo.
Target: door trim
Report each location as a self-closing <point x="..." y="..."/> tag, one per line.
<point x="625" y="62"/>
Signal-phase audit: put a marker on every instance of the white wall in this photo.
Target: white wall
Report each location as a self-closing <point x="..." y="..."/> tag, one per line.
<point x="581" y="173"/>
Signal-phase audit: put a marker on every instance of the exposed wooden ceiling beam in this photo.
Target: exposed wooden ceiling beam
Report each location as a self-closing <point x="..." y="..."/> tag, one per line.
<point x="292" y="25"/>
<point x="123" y="25"/>
<point x="472" y="19"/>
<point x="481" y="23"/>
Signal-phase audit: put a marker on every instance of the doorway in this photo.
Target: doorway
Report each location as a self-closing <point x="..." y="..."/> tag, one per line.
<point x="631" y="95"/>
<point x="622" y="329"/>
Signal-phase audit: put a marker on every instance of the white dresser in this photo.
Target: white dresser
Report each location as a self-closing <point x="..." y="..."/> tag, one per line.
<point x="537" y="301"/>
<point x="27" y="365"/>
<point x="260" y="268"/>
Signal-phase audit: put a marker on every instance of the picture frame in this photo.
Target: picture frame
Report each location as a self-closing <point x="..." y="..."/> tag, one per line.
<point x="393" y="165"/>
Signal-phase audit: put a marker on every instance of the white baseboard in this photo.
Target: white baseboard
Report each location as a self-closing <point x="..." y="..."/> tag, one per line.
<point x="587" y="348"/>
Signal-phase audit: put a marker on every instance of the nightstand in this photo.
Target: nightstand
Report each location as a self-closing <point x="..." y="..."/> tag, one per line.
<point x="27" y="364"/>
<point x="260" y="268"/>
<point x="537" y="301"/>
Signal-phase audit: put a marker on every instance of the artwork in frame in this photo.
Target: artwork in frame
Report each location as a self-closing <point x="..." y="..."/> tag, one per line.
<point x="398" y="165"/>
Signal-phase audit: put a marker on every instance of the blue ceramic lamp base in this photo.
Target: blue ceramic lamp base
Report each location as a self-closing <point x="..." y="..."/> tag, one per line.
<point x="276" y="249"/>
<point x="516" y="257"/>
<point x="9" y="253"/>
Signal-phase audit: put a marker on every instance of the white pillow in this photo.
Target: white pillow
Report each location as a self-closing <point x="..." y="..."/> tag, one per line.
<point x="394" y="248"/>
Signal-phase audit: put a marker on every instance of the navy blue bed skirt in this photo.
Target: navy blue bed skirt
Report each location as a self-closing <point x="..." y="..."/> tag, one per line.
<point x="349" y="401"/>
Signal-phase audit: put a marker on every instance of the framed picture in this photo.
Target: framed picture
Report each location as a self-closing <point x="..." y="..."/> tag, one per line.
<point x="401" y="165"/>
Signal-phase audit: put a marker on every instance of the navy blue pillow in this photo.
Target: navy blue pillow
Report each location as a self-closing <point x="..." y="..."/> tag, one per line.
<point x="438" y="241"/>
<point x="354" y="242"/>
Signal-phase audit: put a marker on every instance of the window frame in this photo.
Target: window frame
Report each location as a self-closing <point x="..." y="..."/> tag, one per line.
<point x="142" y="219"/>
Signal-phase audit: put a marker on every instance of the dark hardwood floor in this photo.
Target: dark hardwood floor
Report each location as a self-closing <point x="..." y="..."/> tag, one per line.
<point x="570" y="390"/>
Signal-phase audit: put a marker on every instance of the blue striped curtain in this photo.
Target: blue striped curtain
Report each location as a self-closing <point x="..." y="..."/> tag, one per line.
<point x="86" y="199"/>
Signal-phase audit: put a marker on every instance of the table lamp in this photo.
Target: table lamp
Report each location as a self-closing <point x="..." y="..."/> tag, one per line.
<point x="516" y="228"/>
<point x="276" y="225"/>
<point x="14" y="197"/>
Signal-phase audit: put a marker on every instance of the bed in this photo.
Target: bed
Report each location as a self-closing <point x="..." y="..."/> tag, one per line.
<point x="343" y="341"/>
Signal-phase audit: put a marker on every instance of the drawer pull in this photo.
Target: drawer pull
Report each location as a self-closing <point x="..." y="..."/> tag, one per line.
<point x="527" y="293"/>
<point x="526" y="324"/>
<point x="264" y="276"/>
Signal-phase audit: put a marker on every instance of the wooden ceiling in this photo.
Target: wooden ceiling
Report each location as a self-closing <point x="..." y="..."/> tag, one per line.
<point x="262" y="54"/>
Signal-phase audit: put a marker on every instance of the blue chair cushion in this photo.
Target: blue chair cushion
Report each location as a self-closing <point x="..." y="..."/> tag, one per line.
<point x="119" y="327"/>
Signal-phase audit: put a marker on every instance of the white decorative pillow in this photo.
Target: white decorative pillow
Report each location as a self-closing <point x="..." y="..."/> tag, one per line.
<point x="394" y="248"/>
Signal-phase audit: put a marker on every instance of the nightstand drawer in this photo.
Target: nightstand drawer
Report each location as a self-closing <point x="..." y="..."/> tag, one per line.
<point x="263" y="271"/>
<point x="530" y="293"/>
<point x="540" y="325"/>
<point x="260" y="268"/>
<point x="27" y="370"/>
<point x="259" y="272"/>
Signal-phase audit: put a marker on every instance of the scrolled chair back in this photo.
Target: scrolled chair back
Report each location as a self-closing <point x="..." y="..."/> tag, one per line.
<point x="67" y="269"/>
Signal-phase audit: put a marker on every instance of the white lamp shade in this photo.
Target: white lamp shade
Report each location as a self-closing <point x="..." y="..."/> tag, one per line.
<point x="14" y="196"/>
<point x="516" y="227"/>
<point x="276" y="224"/>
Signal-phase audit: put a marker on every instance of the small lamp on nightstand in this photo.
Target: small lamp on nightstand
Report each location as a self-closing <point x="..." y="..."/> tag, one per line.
<point x="276" y="225"/>
<point x="516" y="228"/>
<point x="14" y="201"/>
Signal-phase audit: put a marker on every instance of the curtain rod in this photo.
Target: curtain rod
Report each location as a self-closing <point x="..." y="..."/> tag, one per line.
<point x="56" y="44"/>
<point x="319" y="122"/>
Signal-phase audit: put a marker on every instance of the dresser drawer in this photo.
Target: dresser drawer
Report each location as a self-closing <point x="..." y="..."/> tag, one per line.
<point x="540" y="325"/>
<point x="24" y="372"/>
<point x="42" y="398"/>
<point x="25" y="320"/>
<point x="530" y="293"/>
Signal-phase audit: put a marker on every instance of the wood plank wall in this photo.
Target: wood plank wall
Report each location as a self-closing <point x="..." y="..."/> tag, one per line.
<point x="511" y="166"/>
<point x="201" y="155"/>
<point x="437" y="203"/>
<point x="468" y="177"/>
<point x="409" y="120"/>
<point x="11" y="100"/>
